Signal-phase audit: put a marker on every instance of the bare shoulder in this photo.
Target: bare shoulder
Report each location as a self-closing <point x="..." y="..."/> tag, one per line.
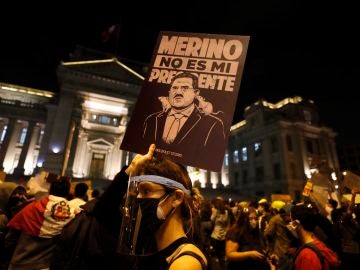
<point x="185" y="260"/>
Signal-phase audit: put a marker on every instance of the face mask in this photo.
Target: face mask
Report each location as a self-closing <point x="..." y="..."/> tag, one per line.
<point x="253" y="223"/>
<point x="292" y="226"/>
<point x="152" y="217"/>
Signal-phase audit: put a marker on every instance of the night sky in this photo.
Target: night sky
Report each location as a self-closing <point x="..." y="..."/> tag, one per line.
<point x="296" y="47"/>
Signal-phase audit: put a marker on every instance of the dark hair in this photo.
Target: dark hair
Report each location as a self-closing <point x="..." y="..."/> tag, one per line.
<point x="95" y="193"/>
<point x="164" y="167"/>
<point x="333" y="203"/>
<point x="266" y="206"/>
<point x="81" y="189"/>
<point x="60" y="187"/>
<point x="187" y="75"/>
<point x="242" y="224"/>
<point x="306" y="214"/>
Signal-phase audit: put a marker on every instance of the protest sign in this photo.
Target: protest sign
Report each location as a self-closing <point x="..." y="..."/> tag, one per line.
<point x="351" y="180"/>
<point x="188" y="98"/>
<point x="281" y="197"/>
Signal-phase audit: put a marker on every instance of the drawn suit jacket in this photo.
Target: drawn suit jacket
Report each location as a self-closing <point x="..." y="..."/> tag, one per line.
<point x="201" y="136"/>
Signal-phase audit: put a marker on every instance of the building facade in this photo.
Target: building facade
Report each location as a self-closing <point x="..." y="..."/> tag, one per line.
<point x="78" y="131"/>
<point x="277" y="147"/>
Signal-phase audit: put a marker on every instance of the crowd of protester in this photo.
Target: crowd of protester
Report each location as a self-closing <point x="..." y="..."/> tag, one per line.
<point x="46" y="227"/>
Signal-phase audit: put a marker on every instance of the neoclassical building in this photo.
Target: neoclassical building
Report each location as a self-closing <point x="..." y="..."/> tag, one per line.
<point x="277" y="147"/>
<point x="78" y="131"/>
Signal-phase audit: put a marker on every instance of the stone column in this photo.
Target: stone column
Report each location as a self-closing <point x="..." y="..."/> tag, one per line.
<point x="219" y="183"/>
<point x="45" y="143"/>
<point x="19" y="170"/>
<point x="208" y="180"/>
<point x="6" y="141"/>
<point x="72" y="150"/>
<point x="54" y="160"/>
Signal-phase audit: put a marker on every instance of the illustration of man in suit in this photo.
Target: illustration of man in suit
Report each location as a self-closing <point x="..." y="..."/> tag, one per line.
<point x="186" y="119"/>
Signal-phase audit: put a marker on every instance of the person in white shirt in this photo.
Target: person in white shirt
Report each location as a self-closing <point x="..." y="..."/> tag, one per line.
<point x="80" y="196"/>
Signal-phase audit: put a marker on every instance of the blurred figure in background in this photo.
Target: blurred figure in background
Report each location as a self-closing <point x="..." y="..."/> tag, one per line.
<point x="95" y="194"/>
<point x="221" y="217"/>
<point x="312" y="254"/>
<point x="34" y="229"/>
<point x="80" y="196"/>
<point x="243" y="246"/>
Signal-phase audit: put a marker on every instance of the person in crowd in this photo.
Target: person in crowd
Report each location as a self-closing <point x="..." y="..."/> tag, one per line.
<point x="90" y="240"/>
<point x="95" y="194"/>
<point x="221" y="217"/>
<point x="326" y="230"/>
<point x="329" y="207"/>
<point x="162" y="191"/>
<point x="13" y="198"/>
<point x="80" y="196"/>
<point x="34" y="229"/>
<point x="243" y="245"/>
<point x="348" y="231"/>
<point x="38" y="186"/>
<point x="264" y="214"/>
<point x="278" y="236"/>
<point x="312" y="254"/>
<point x="156" y="222"/>
<point x="206" y="225"/>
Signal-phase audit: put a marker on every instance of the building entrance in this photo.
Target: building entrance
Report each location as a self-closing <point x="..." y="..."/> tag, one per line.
<point x="97" y="165"/>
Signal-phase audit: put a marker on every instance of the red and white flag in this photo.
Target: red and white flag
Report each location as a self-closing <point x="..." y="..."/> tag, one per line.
<point x="44" y="218"/>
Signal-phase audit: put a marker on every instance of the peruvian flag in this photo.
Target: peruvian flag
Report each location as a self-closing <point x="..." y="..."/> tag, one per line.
<point x="44" y="218"/>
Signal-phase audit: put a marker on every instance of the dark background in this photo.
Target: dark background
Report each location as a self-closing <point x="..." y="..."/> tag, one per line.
<point x="300" y="48"/>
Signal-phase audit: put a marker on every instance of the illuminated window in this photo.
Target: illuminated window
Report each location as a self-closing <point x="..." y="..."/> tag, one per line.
<point x="236" y="156"/>
<point x="226" y="160"/>
<point x="3" y="132"/>
<point x="41" y="135"/>
<point x="257" y="148"/>
<point x="22" y="136"/>
<point x="103" y="119"/>
<point x="244" y="156"/>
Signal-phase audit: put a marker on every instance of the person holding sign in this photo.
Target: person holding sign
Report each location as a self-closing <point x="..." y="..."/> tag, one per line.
<point x="186" y="119"/>
<point x="158" y="214"/>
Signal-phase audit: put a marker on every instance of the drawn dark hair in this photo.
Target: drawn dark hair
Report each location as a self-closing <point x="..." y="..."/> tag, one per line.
<point x="187" y="75"/>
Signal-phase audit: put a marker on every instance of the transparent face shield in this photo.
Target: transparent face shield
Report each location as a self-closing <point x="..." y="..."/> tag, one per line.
<point x="143" y="213"/>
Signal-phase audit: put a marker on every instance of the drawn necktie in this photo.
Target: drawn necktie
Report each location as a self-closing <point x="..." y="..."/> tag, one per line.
<point x="174" y="128"/>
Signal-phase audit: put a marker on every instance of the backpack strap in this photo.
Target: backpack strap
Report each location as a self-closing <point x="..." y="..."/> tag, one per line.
<point x="190" y="253"/>
<point x="313" y="248"/>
